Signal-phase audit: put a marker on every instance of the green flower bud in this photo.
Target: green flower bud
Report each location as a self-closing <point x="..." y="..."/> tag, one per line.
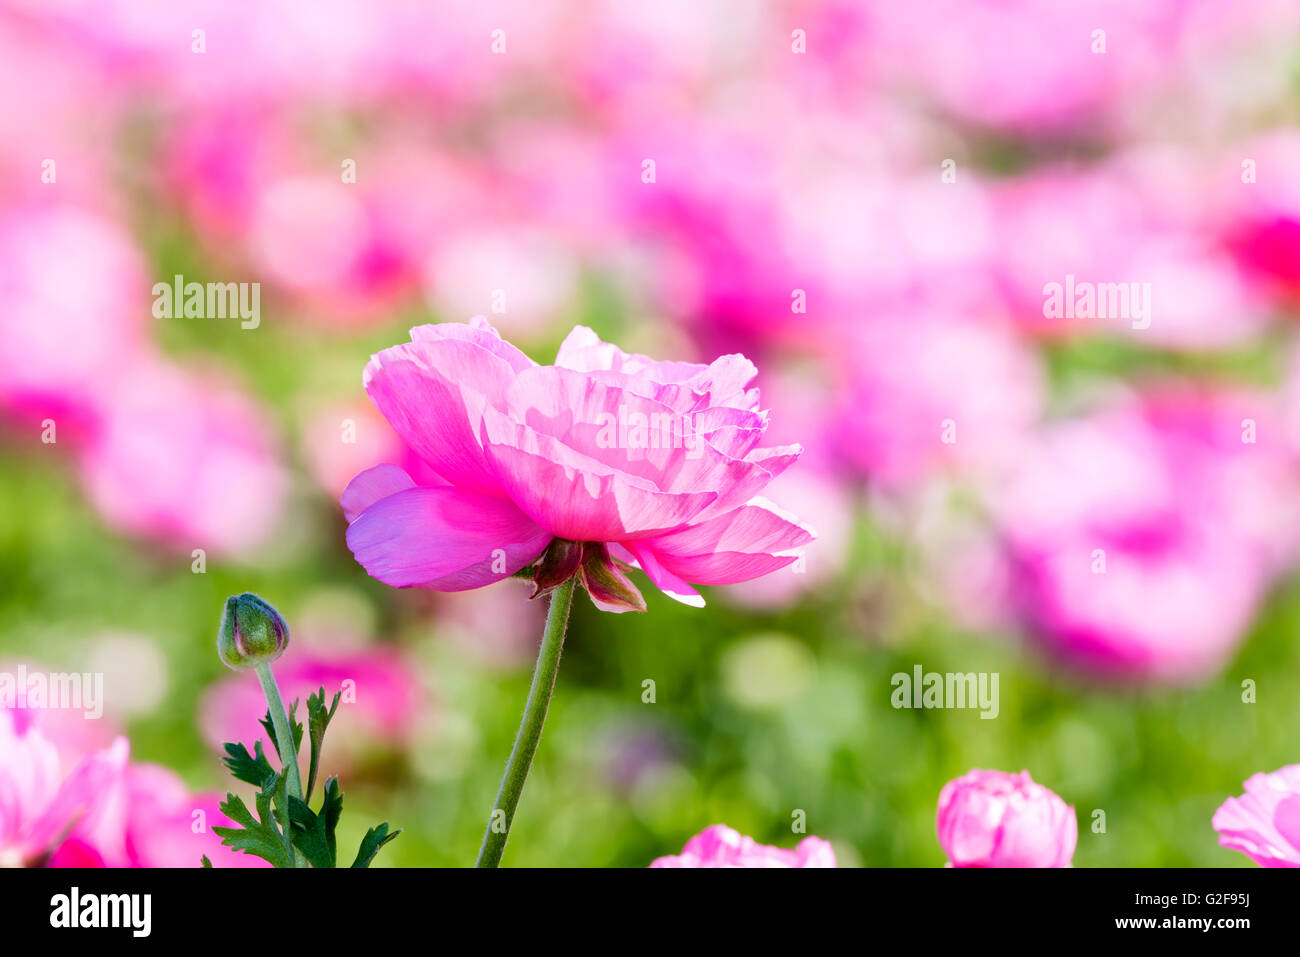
<point x="252" y="632"/>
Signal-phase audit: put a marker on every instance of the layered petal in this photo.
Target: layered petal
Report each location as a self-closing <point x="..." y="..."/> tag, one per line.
<point x="1264" y="823"/>
<point x="368" y="487"/>
<point x="444" y="538"/>
<point x="575" y="496"/>
<point x="744" y="543"/>
<point x="479" y="332"/>
<point x="433" y="392"/>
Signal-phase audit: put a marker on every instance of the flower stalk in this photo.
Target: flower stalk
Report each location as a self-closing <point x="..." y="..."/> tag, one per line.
<point x="530" y="728"/>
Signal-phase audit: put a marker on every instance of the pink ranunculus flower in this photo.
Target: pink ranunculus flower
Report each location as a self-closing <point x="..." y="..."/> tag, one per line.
<point x="1264" y="823"/>
<point x="995" y="819"/>
<point x="721" y="846"/>
<point x="62" y="805"/>
<point x="616" y="458"/>
<point x="42" y="796"/>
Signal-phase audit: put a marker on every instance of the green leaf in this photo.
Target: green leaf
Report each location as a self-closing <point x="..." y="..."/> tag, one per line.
<point x="295" y="728"/>
<point x="257" y="837"/>
<point x="375" y="838"/>
<point x="313" y="834"/>
<point x="318" y="720"/>
<point x="206" y="863"/>
<point x="251" y="769"/>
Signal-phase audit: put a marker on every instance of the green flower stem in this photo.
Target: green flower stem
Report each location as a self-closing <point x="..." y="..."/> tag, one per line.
<point x="530" y="728"/>
<point x="284" y="744"/>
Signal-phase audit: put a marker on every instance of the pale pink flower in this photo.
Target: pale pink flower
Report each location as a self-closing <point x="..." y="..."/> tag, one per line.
<point x="1049" y="76"/>
<point x="75" y="300"/>
<point x="534" y="453"/>
<point x="925" y="394"/>
<point x="995" y="819"/>
<point x="185" y="460"/>
<point x="721" y="846"/>
<point x="42" y="797"/>
<point x="66" y="801"/>
<point x="1264" y="823"/>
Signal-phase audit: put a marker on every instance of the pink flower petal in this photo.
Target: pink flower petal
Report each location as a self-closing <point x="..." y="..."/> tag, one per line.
<point x="370" y="486"/>
<point x="745" y="543"/>
<point x="577" y="497"/>
<point x="445" y="538"/>
<point x="433" y="392"/>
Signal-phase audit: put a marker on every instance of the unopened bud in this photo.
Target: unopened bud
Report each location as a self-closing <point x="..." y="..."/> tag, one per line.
<point x="252" y="632"/>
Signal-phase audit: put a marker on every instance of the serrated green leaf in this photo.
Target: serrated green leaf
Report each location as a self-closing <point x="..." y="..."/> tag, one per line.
<point x="318" y="720"/>
<point x="257" y="837"/>
<point x="375" y="838"/>
<point x="252" y="769"/>
<point x="312" y="833"/>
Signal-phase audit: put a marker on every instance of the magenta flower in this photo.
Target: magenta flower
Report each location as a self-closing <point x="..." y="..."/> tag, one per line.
<point x="995" y="819"/>
<point x="721" y="846"/>
<point x="617" y="458"/>
<point x="1264" y="823"/>
<point x="1133" y="549"/>
<point x="66" y="806"/>
<point x="40" y="797"/>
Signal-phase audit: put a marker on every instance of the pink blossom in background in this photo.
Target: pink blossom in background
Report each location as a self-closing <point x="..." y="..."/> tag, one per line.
<point x="492" y="625"/>
<point x="1261" y="221"/>
<point x="533" y="454"/>
<point x="323" y="241"/>
<point x="523" y="276"/>
<point x="167" y="826"/>
<point x="1264" y="823"/>
<point x="185" y="460"/>
<point x="1047" y="78"/>
<point x="96" y="809"/>
<point x="41" y="797"/>
<point x="925" y="394"/>
<point x="995" y="819"/>
<point x="1140" y="540"/>
<point x="721" y="846"/>
<point x="1132" y="221"/>
<point x="75" y="302"/>
<point x="382" y="705"/>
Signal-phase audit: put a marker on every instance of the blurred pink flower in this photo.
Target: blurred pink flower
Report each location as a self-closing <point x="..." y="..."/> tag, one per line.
<point x="328" y="245"/>
<point x="185" y="460"/>
<point x="1048" y="78"/>
<point x="925" y="394"/>
<point x="97" y="809"/>
<point x="1135" y="224"/>
<point x="167" y="826"/>
<point x="75" y="300"/>
<point x="721" y="846"/>
<point x="41" y="798"/>
<point x="1135" y="548"/>
<point x="1262" y="222"/>
<point x="535" y="453"/>
<point x="382" y="701"/>
<point x="995" y="819"/>
<point x="1264" y="823"/>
